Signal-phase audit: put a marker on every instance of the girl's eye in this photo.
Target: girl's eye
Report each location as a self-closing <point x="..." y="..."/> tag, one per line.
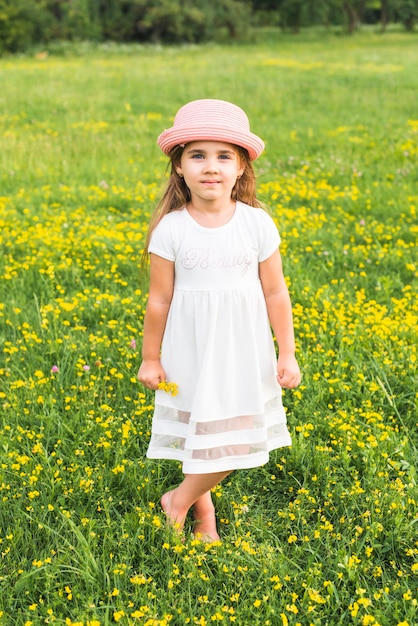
<point x="224" y="156"/>
<point x="197" y="156"/>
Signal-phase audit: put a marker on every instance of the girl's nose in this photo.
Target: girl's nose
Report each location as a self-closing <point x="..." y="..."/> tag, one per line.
<point x="211" y="165"/>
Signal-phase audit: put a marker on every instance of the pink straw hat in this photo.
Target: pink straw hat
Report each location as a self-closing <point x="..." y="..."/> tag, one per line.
<point x="211" y="120"/>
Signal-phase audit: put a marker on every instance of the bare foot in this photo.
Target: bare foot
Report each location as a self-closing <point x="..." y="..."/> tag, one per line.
<point x="175" y="518"/>
<point x="205" y="524"/>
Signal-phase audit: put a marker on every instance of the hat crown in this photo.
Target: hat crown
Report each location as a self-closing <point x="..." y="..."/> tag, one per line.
<point x="212" y="113"/>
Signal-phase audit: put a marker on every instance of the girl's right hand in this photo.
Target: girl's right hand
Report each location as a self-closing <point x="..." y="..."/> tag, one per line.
<point x="151" y="374"/>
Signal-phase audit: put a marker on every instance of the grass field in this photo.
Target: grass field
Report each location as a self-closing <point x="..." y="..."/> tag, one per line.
<point x="326" y="532"/>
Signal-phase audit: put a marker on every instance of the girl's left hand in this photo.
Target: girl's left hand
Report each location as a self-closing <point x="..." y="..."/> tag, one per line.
<point x="288" y="372"/>
<point x="151" y="373"/>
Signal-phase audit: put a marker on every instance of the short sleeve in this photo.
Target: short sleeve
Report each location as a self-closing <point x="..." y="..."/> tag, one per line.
<point x="269" y="238"/>
<point x="162" y="242"/>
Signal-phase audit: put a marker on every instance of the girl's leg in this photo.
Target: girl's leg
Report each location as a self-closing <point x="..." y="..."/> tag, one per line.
<point x="176" y="503"/>
<point x="205" y="519"/>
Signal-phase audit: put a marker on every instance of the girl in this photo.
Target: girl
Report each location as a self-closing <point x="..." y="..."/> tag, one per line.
<point x="216" y="290"/>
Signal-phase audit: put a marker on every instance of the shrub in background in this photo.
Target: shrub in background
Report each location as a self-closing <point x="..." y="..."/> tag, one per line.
<point x="193" y="21"/>
<point x="407" y="11"/>
<point x="22" y="22"/>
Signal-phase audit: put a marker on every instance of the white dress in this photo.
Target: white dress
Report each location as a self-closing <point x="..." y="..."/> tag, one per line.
<point x="218" y="346"/>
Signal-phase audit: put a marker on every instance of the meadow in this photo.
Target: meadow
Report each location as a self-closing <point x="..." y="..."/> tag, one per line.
<point x="325" y="534"/>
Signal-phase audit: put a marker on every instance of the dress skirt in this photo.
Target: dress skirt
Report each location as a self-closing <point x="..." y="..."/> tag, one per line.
<point x="228" y="413"/>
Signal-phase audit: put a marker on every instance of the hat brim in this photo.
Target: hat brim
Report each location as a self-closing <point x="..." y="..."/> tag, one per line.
<point x="178" y="135"/>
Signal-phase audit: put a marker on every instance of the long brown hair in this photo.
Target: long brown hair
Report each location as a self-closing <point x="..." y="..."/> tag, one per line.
<point x="177" y="193"/>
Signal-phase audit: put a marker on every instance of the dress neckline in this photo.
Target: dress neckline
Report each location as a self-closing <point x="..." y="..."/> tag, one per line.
<point x="215" y="228"/>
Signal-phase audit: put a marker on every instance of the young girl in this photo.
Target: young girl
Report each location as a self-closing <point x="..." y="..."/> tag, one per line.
<point x="216" y="290"/>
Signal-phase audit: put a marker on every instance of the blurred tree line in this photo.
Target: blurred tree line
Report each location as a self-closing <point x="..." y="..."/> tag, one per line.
<point x="351" y="14"/>
<point x="27" y="22"/>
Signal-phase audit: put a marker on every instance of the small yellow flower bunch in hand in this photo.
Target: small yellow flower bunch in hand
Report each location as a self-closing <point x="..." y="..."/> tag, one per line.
<point x="171" y="388"/>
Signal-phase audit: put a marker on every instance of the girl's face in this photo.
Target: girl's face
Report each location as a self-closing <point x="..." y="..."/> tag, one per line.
<point x="210" y="170"/>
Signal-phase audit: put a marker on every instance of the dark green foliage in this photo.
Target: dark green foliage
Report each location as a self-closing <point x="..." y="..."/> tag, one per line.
<point x="27" y="22"/>
<point x="24" y="23"/>
<point x="164" y="20"/>
<point x="294" y="14"/>
<point x="407" y="11"/>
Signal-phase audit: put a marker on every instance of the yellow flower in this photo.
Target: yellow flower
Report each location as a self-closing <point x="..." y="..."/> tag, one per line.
<point x="315" y="596"/>
<point x="138" y="579"/>
<point x="171" y="388"/>
<point x="117" y="615"/>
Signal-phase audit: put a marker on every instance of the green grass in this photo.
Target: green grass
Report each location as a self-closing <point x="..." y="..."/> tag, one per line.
<point x="325" y="533"/>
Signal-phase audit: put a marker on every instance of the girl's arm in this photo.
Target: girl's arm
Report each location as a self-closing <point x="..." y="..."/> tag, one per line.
<point x="279" y="310"/>
<point x="151" y="372"/>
